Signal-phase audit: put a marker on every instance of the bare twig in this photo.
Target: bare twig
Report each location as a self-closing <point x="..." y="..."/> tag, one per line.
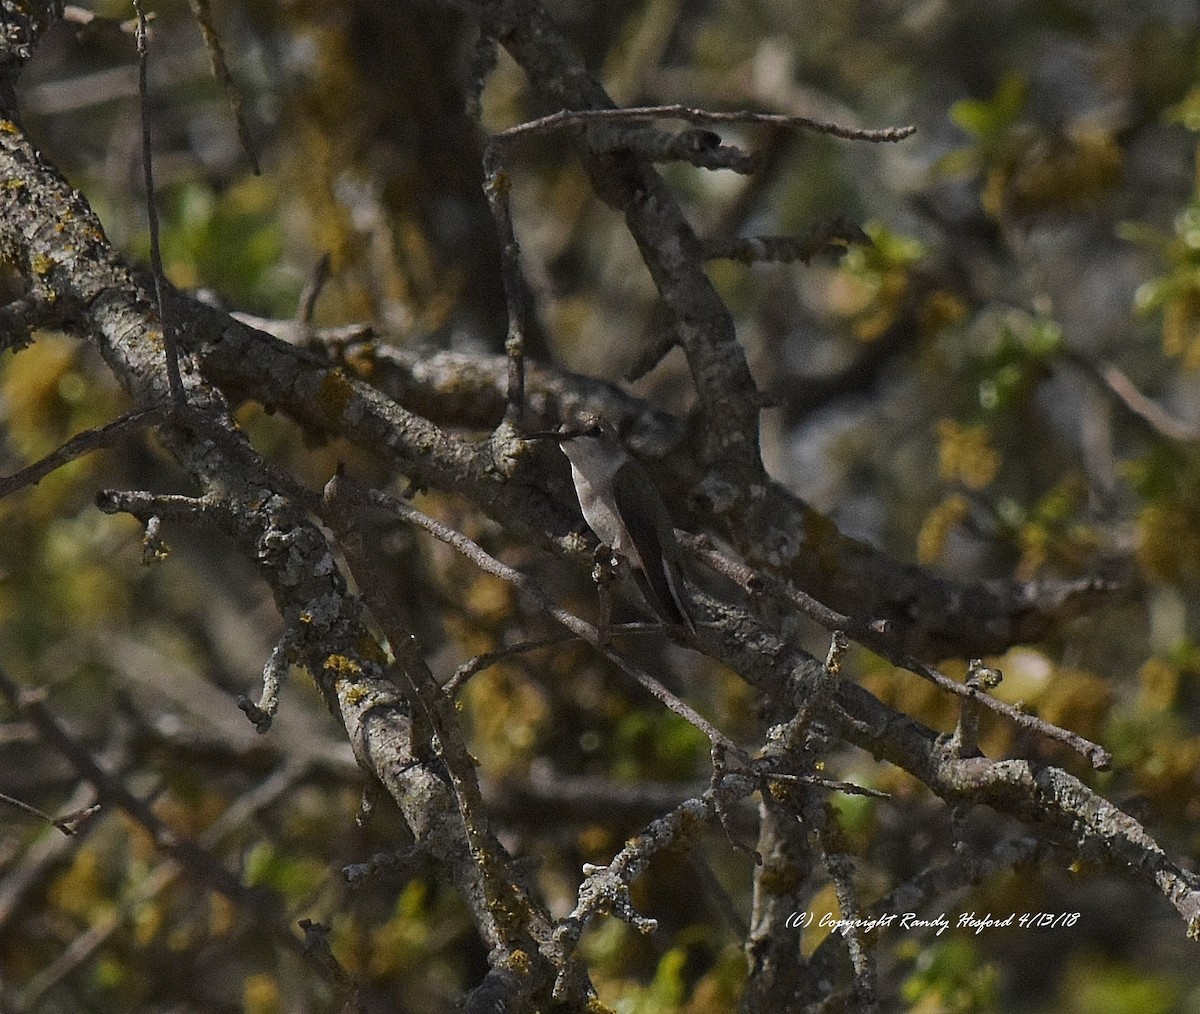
<point x="833" y="237"/>
<point x="698" y="147"/>
<point x="496" y="187"/>
<point x="1116" y="383"/>
<point x="151" y="885"/>
<point x="319" y="953"/>
<point x="965" y="740"/>
<point x="930" y="884"/>
<point x="582" y="117"/>
<point x="841" y="871"/>
<point x="849" y="788"/>
<point x="174" y="380"/>
<point x="202" y="11"/>
<point x="67" y="824"/>
<point x="44" y="855"/>
<point x="311" y="292"/>
<point x="110" y="789"/>
<point x="82" y="443"/>
<point x="262" y="714"/>
<point x="874" y="634"/>
<point x="454" y="685"/>
<point x="340" y="487"/>
<point x="1060" y="804"/>
<point x="605" y="889"/>
<point x="483" y="62"/>
<point x="515" y="922"/>
<point x="19" y="318"/>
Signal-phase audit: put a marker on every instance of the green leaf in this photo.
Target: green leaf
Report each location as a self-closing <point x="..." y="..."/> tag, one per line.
<point x="1187" y="112"/>
<point x="990" y="119"/>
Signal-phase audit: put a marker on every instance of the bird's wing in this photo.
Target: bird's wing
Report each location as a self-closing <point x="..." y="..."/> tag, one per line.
<point x="659" y="559"/>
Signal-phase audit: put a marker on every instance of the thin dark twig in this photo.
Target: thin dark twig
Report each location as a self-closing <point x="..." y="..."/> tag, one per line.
<point x="68" y="824"/>
<point x="340" y="487"/>
<point x="109" y="788"/>
<point x="873" y="635"/>
<point x="174" y="380"/>
<point x="848" y="788"/>
<point x="1146" y="408"/>
<point x="720" y="897"/>
<point x="834" y="237"/>
<point x="80" y="444"/>
<point x="496" y="186"/>
<point x="580" y="117"/>
<point x="696" y="146"/>
<point x="1097" y="756"/>
<point x="202" y="11"/>
<point x="473" y="666"/>
<point x="605" y="889"/>
<point x="1114" y="382"/>
<point x="13" y="801"/>
<point x="312" y="290"/>
<point x="510" y="919"/>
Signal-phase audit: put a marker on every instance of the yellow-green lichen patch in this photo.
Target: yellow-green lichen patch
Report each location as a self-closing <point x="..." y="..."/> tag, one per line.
<point x="342" y="665"/>
<point x="335" y="394"/>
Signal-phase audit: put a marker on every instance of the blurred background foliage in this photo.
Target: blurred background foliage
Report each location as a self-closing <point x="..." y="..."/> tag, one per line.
<point x="1004" y="383"/>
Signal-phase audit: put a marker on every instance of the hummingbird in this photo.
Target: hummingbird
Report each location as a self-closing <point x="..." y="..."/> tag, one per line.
<point x="623" y="508"/>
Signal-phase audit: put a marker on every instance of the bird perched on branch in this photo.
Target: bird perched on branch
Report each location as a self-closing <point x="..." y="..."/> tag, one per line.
<point x="623" y="508"/>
